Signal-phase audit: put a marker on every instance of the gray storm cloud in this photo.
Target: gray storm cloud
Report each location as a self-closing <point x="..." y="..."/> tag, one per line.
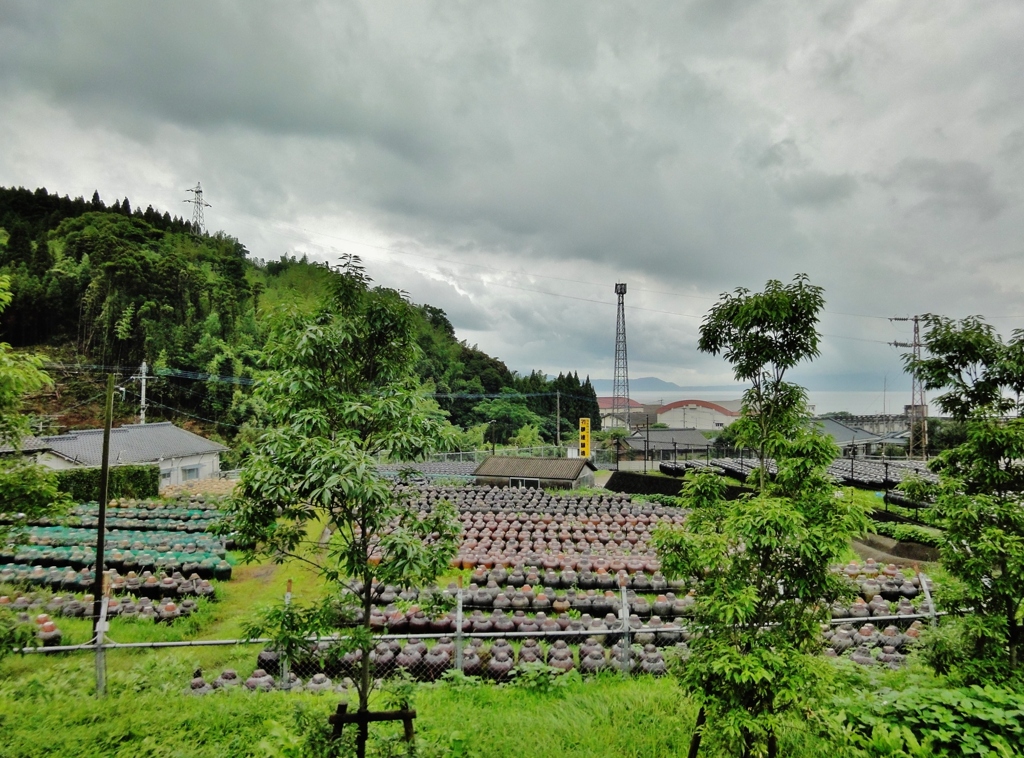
<point x="504" y="159"/>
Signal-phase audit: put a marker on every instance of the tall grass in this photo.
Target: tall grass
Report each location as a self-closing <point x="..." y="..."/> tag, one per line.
<point x="147" y="714"/>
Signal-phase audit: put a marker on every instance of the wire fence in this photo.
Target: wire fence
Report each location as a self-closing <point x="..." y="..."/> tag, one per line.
<point x="619" y="631"/>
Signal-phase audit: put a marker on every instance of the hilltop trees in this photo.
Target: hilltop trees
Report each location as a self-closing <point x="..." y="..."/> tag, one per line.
<point x="110" y="284"/>
<point x="760" y="564"/>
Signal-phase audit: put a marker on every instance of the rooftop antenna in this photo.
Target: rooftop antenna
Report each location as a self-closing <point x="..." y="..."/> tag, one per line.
<point x="198" y="223"/>
<point x="917" y="411"/>
<point x="620" y="385"/>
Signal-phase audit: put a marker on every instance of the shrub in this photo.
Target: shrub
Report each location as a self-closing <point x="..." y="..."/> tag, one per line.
<point x="907" y="533"/>
<point x="967" y="721"/>
<point x="83" y="484"/>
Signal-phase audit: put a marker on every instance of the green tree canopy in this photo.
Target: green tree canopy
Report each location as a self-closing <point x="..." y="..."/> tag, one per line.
<point x="980" y="502"/>
<point x="760" y="565"/>
<point x="337" y="392"/>
<point x="27" y="490"/>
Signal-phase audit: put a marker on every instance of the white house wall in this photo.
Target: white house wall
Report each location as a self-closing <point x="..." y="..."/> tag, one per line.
<point x="695" y="417"/>
<point x="56" y="462"/>
<point x="172" y="470"/>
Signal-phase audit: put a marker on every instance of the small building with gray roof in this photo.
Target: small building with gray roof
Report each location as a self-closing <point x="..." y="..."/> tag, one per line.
<point x="667" y="444"/>
<point x="545" y="473"/>
<point x="181" y="455"/>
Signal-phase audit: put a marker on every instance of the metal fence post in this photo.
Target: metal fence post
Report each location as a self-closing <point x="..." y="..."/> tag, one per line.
<point x="458" y="630"/>
<point x="624" y="615"/>
<point x="928" y="597"/>
<point x="285" y="668"/>
<point x="101" y="654"/>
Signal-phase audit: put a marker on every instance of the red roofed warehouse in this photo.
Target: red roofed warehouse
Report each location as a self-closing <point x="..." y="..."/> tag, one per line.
<point x="699" y="414"/>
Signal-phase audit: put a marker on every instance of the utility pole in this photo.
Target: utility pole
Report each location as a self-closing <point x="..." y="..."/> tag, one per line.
<point x="558" y="418"/>
<point x="142" y="377"/>
<point x="918" y="409"/>
<point x="97" y="587"/>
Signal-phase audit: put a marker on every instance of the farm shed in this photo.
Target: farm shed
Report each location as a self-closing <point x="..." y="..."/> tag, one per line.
<point x="181" y="455"/>
<point x="545" y="473"/>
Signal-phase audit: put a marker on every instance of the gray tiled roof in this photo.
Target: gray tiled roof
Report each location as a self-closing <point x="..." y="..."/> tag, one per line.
<point x="28" y="445"/>
<point x="845" y="434"/>
<point x="533" y="468"/>
<point x="133" y="443"/>
<point x="668" y="439"/>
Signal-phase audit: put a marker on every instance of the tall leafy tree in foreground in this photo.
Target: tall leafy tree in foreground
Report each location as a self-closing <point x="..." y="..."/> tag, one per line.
<point x="760" y="564"/>
<point x="980" y="500"/>
<point x="27" y="491"/>
<point x="763" y="335"/>
<point x="339" y="391"/>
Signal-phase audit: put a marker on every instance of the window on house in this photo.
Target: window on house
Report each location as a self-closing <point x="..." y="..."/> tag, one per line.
<point x="719" y="425"/>
<point x="516" y="481"/>
<point x="165" y="475"/>
<point x="188" y="473"/>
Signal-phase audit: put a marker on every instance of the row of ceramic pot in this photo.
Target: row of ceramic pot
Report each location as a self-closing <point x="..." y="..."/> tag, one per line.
<point x="546" y="599"/>
<point x="498" y="660"/>
<point x="166" y="610"/>
<point x="262" y="681"/>
<point x="607" y="628"/>
<point x="187" y="590"/>
<point x="156" y="524"/>
<point x="642" y="575"/>
<point x="879" y="606"/>
<point x="124" y="539"/>
<point x="65" y="579"/>
<point x="846" y="637"/>
<point x="121" y="560"/>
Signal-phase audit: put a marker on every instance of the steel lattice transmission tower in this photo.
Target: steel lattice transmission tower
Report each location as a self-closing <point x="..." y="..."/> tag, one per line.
<point x="198" y="204"/>
<point x="620" y="386"/>
<point x="917" y="411"/>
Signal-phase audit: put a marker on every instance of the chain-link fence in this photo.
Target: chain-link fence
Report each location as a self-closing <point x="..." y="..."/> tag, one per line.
<point x="588" y="632"/>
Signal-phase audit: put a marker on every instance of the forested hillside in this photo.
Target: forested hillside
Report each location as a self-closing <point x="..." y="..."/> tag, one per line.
<point x="99" y="286"/>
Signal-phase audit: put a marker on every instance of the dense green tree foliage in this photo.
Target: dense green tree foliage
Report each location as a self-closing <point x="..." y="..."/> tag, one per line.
<point x="760" y="564"/>
<point x="979" y="501"/>
<point x="115" y="285"/>
<point x="27" y="490"/>
<point x="338" y="392"/>
<point x="763" y="335"/>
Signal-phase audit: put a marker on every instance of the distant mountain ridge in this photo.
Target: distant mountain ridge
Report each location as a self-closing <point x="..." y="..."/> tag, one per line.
<point x="654" y="384"/>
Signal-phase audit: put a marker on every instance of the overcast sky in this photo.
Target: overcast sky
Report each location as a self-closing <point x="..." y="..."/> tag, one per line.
<point x="509" y="162"/>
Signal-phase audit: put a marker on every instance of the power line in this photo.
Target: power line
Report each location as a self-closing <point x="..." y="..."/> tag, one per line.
<point x="186" y="413"/>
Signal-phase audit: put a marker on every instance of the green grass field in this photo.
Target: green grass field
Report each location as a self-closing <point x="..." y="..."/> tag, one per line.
<point x="48" y="705"/>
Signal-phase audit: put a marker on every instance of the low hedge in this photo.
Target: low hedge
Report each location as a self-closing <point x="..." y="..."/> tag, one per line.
<point x="633" y="483"/>
<point x="907" y="532"/>
<point x="83" y="484"/>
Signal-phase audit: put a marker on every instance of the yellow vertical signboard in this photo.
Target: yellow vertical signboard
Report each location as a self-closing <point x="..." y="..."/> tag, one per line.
<point x="584" y="438"/>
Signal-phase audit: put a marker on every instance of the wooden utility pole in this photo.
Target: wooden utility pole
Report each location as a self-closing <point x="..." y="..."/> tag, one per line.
<point x="558" y="418"/>
<point x="97" y="589"/>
